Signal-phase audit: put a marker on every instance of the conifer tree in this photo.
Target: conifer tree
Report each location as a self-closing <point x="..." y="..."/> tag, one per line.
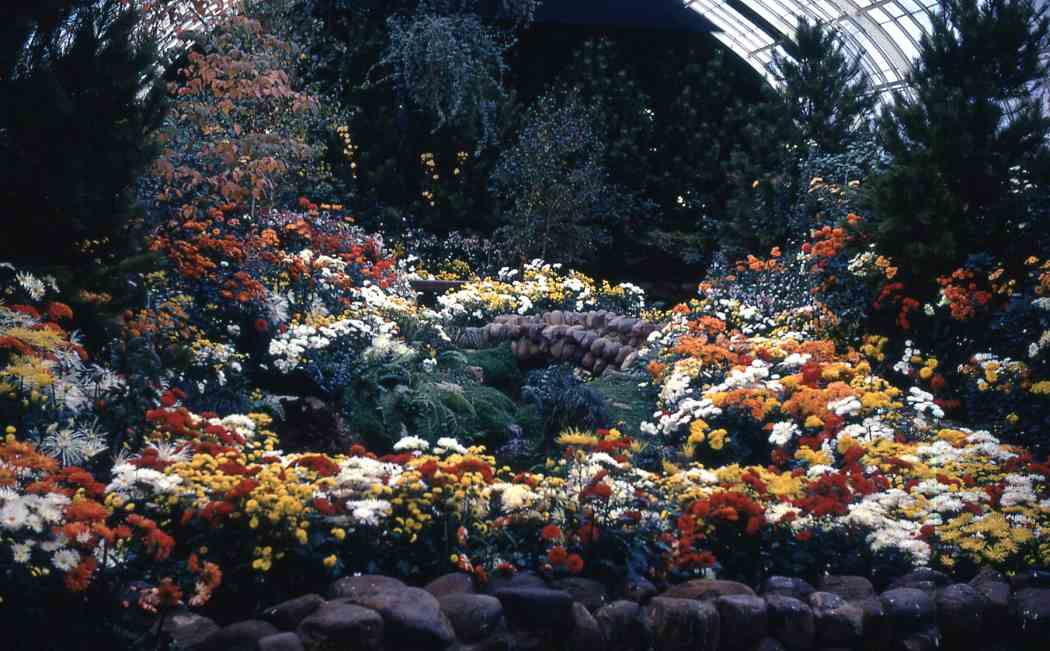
<point x="78" y="102"/>
<point x="968" y="142"/>
<point x="825" y="90"/>
<point x="824" y="102"/>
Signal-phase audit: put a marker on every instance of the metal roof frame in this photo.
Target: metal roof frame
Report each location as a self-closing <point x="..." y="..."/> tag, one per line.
<point x="885" y="33"/>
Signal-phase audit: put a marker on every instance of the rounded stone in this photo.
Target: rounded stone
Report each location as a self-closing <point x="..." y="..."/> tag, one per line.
<point x="707" y="589"/>
<point x="623" y="626"/>
<point x="1030" y="613"/>
<point x="473" y="616"/>
<point x="187" y="630"/>
<point x="790" y="621"/>
<point x="287" y="614"/>
<point x="585" y="635"/>
<point x="286" y="641"/>
<point x="850" y="588"/>
<point x="922" y="579"/>
<point x="788" y="586"/>
<point x="536" y="607"/>
<point x="743" y="620"/>
<point x="335" y="625"/>
<point x="242" y="636"/>
<point x="907" y="610"/>
<point x="412" y="617"/>
<point x="960" y="611"/>
<point x="683" y="624"/>
<point x="523" y="579"/>
<point x="354" y="586"/>
<point x="592" y="594"/>
<point x="454" y="583"/>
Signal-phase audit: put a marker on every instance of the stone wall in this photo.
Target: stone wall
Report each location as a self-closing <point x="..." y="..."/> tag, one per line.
<point x="919" y="611"/>
<point x="591" y="340"/>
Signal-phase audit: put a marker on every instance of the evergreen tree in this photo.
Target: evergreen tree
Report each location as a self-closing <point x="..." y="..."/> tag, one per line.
<point x="823" y="104"/>
<point x="78" y="104"/>
<point x="968" y="142"/>
<point x="824" y="89"/>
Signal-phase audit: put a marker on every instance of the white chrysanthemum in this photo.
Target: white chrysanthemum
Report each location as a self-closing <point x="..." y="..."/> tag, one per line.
<point x="783" y="432"/>
<point x="21" y="552"/>
<point x="514" y="497"/>
<point x="412" y="443"/>
<point x="448" y="444"/>
<point x="32" y="285"/>
<point x="13" y="515"/>
<point x="65" y="559"/>
<point x="369" y="512"/>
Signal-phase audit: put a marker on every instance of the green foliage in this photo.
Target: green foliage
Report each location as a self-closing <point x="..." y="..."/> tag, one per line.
<point x="499" y="367"/>
<point x="450" y="66"/>
<point x="824" y="89"/>
<point x="79" y="102"/>
<point x="823" y="108"/>
<point x="557" y="197"/>
<point x="627" y="404"/>
<point x="968" y="142"/>
<point x="563" y="401"/>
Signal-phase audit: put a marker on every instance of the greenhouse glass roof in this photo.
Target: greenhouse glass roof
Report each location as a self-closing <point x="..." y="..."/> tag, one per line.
<point x="885" y="33"/>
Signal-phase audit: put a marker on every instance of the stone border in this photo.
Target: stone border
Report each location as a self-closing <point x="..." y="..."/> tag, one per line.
<point x="920" y="611"/>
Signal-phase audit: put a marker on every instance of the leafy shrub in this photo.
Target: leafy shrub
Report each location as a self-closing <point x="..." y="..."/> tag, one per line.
<point x="564" y="401"/>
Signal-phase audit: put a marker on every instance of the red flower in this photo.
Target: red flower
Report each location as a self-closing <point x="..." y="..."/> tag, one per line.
<point x="551" y="532"/>
<point x="574" y="563"/>
<point x="557" y="555"/>
<point x="59" y="311"/>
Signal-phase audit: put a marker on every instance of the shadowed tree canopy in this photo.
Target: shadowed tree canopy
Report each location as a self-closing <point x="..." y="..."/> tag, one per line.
<point x="78" y="102"/>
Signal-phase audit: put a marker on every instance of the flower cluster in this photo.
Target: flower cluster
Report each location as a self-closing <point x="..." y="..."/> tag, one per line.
<point x="539" y="287"/>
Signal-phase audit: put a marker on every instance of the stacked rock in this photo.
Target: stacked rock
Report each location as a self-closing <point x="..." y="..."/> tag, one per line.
<point x="591" y="340"/>
<point x="920" y="611"/>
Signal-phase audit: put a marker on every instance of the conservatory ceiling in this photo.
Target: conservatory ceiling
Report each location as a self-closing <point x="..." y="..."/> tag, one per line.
<point x="885" y="33"/>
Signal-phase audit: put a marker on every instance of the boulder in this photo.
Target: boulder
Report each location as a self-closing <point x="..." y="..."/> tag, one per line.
<point x="877" y="635"/>
<point x="988" y="574"/>
<point x="287" y="614"/>
<point x="787" y="586"/>
<point x="454" y="583"/>
<point x="592" y="594"/>
<point x="473" y="616"/>
<point x="1031" y="578"/>
<point x="841" y="625"/>
<point x="532" y="608"/>
<point x="412" y="617"/>
<point x="242" y="636"/>
<point x="707" y="589"/>
<point x="286" y="641"/>
<point x="850" y="588"/>
<point x="743" y="620"/>
<point x="1030" y="613"/>
<point x="683" y="624"/>
<point x="356" y="586"/>
<point x="187" y="630"/>
<point x="790" y="621"/>
<point x="623" y="626"/>
<point x="639" y="589"/>
<point x="997" y="596"/>
<point x="585" y="634"/>
<point x="928" y="639"/>
<point x="825" y="601"/>
<point x="908" y="610"/>
<point x="922" y="579"/>
<point x="337" y="625"/>
<point x="960" y="611"/>
<point x="769" y="644"/>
